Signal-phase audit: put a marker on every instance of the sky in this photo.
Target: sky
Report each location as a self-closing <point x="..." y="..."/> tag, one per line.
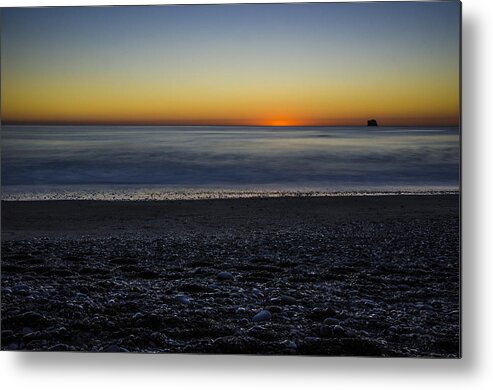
<point x="264" y="64"/>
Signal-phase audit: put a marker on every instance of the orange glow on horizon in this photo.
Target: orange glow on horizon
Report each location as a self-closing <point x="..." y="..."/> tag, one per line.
<point x="451" y="120"/>
<point x="281" y="122"/>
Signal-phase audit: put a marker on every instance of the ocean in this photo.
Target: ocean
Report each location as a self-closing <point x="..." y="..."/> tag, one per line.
<point x="162" y="162"/>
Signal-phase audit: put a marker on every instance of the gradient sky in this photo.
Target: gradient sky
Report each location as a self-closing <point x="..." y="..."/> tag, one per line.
<point x="284" y="64"/>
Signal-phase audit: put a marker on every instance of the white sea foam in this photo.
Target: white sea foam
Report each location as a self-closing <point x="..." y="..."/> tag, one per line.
<point x="125" y="193"/>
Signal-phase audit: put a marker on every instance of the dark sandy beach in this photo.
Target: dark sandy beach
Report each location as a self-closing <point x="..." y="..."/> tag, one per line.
<point x="352" y="275"/>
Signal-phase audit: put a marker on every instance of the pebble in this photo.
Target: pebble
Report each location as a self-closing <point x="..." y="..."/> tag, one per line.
<point x="274" y="309"/>
<point x="26" y="330"/>
<point x="21" y="289"/>
<point x="137" y="315"/>
<point x="262" y="316"/>
<point x="368" y="302"/>
<point x="288" y="300"/>
<point x="331" y="321"/>
<point x="436" y="304"/>
<point x="244" y="322"/>
<point x="424" y="307"/>
<point x="224" y="275"/>
<point x="338" y="330"/>
<point x="392" y="329"/>
<point x="81" y="296"/>
<point x="257" y="293"/>
<point x="59" y="347"/>
<point x="290" y="344"/>
<point x="115" y="348"/>
<point x="182" y="299"/>
<point x="332" y="331"/>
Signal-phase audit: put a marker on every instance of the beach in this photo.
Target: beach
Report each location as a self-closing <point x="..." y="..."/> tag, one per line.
<point x="351" y="276"/>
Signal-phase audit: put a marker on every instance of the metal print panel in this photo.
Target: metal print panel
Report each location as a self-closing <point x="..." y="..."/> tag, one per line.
<point x="232" y="179"/>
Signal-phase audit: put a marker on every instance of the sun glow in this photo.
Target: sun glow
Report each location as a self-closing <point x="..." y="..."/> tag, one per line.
<point x="280" y="122"/>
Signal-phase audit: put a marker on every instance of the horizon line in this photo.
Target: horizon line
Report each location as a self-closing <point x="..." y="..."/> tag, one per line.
<point x="178" y="124"/>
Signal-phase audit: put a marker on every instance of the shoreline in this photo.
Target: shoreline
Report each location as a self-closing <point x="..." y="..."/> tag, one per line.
<point x="152" y="218"/>
<point x="150" y="196"/>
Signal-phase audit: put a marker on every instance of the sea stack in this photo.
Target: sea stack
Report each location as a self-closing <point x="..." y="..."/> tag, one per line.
<point x="372" y="122"/>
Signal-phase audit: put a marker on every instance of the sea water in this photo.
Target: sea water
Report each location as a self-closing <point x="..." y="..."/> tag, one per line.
<point x="163" y="162"/>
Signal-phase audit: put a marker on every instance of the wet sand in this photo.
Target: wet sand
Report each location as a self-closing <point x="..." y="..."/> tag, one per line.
<point x="374" y="276"/>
